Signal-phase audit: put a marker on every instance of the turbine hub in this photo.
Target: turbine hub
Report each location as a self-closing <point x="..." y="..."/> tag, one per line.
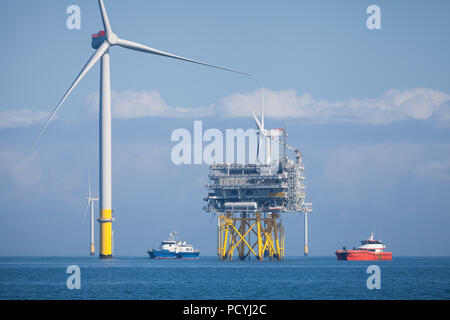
<point x="113" y="39"/>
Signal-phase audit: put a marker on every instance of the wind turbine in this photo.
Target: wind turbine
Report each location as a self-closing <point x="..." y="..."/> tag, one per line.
<point x="90" y="202"/>
<point x="264" y="133"/>
<point x="102" y="42"/>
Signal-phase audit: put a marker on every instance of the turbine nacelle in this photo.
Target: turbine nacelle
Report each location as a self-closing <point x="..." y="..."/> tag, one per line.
<point x="270" y="132"/>
<point x="98" y="39"/>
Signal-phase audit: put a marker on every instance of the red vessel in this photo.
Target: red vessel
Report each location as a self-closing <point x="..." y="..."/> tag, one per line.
<point x="369" y="249"/>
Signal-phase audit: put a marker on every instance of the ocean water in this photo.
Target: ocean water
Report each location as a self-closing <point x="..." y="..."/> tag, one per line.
<point x="207" y="278"/>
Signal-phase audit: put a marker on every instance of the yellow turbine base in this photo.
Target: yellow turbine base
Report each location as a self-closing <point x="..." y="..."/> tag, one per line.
<point x="105" y="233"/>
<point x="306" y="249"/>
<point x="92" y="249"/>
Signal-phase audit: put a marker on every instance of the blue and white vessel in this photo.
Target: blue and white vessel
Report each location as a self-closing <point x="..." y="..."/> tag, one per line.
<point x="173" y="249"/>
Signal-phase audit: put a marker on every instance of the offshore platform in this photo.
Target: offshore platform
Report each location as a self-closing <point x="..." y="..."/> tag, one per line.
<point x="250" y="200"/>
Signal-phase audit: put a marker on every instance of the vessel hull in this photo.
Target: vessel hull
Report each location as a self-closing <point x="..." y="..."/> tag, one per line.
<point x="362" y="255"/>
<point x="163" y="254"/>
<point x="188" y="255"/>
<point x="159" y="254"/>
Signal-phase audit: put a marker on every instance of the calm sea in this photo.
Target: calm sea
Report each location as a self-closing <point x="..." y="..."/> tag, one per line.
<point x="207" y="278"/>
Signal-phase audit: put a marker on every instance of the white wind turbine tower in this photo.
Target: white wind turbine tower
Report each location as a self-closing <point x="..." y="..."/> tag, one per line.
<point x="90" y="202"/>
<point x="102" y="42"/>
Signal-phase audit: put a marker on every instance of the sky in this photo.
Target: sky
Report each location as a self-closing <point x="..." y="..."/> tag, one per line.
<point x="369" y="109"/>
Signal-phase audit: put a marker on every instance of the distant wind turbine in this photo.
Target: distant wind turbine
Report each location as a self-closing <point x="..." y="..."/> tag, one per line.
<point x="90" y="202"/>
<point x="264" y="133"/>
<point x="102" y="42"/>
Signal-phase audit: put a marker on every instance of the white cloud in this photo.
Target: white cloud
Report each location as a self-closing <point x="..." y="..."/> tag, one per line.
<point x="442" y="115"/>
<point x="12" y="118"/>
<point x="131" y="104"/>
<point x="278" y="104"/>
<point x="392" y="105"/>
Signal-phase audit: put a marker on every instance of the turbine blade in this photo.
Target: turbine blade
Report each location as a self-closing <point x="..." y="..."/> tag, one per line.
<point x="105" y="18"/>
<point x="259" y="146"/>
<point x="140" y="47"/>
<point x="258" y="124"/>
<point x="92" y="60"/>
<point x="85" y="210"/>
